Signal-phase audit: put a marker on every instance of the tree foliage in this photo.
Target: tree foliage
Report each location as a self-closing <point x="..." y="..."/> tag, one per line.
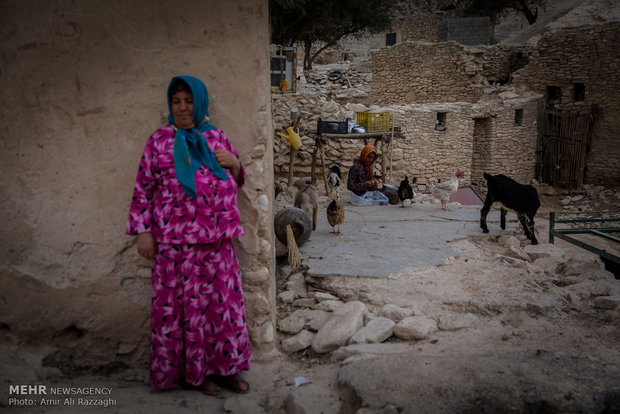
<point x="308" y="22"/>
<point x="497" y="8"/>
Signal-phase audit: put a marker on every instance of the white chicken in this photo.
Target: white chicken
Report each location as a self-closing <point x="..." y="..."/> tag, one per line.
<point x="443" y="191"/>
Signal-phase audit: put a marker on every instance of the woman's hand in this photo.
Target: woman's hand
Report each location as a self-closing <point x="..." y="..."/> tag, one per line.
<point x="371" y="185"/>
<point x="146" y="245"/>
<point x="228" y="160"/>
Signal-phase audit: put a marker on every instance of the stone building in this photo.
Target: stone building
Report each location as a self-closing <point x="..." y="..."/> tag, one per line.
<point x="576" y="68"/>
<point x="83" y="86"/>
<point x="494" y="102"/>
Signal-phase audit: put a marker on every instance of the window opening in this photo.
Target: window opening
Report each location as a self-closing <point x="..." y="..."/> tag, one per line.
<point x="440" y="121"/>
<point x="390" y="39"/>
<point x="554" y="95"/>
<point x="518" y="117"/>
<point x="579" y="92"/>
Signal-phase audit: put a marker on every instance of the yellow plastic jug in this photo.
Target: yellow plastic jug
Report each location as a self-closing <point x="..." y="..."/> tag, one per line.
<point x="293" y="137"/>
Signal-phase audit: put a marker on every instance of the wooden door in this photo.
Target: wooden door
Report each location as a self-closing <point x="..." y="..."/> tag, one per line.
<point x="562" y="146"/>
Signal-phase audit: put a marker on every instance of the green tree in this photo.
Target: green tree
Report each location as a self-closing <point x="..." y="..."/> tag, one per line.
<point x="496" y="8"/>
<point x="309" y="22"/>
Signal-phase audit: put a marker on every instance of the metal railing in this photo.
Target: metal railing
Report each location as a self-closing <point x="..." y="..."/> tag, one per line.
<point x="582" y="226"/>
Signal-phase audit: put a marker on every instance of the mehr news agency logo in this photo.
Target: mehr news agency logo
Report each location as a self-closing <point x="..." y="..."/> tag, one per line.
<point x="42" y="395"/>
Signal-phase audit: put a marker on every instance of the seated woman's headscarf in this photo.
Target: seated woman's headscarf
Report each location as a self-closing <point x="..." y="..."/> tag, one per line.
<point x="190" y="148"/>
<point x="366" y="151"/>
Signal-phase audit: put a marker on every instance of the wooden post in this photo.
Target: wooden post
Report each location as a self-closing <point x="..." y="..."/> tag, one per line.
<point x="320" y="145"/>
<point x="312" y="171"/>
<point x="291" y="166"/>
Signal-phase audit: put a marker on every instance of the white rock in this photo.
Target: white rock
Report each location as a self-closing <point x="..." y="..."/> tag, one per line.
<point x="378" y="330"/>
<point x="517" y="253"/>
<point x="292" y="323"/>
<point x="298" y="342"/>
<point x="296" y="282"/>
<point x="509" y="241"/>
<point x="304" y="302"/>
<point x="345" y="321"/>
<point x="415" y="327"/>
<point x="288" y="296"/>
<point x="394" y="312"/>
<point x="322" y="296"/>
<point x="303" y="319"/>
<point x="316" y="318"/>
<point x="328" y="305"/>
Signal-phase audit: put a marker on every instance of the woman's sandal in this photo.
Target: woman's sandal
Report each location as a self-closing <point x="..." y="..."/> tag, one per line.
<point x="208" y="386"/>
<point x="233" y="383"/>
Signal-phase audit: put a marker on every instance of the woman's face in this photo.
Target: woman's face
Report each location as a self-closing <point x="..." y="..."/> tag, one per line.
<point x="370" y="158"/>
<point x="182" y="104"/>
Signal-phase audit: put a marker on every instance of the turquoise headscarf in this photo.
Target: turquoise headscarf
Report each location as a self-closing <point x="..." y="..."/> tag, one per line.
<point x="190" y="148"/>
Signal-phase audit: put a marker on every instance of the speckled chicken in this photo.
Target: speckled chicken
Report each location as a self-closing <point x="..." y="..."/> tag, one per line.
<point x="335" y="215"/>
<point x="443" y="191"/>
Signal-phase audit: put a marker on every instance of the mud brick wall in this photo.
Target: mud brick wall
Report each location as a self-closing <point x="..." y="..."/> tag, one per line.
<point x="75" y="122"/>
<point x="588" y="55"/>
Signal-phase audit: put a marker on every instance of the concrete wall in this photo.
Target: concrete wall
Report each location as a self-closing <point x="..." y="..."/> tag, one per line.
<point x="82" y="87"/>
<point x="588" y="55"/>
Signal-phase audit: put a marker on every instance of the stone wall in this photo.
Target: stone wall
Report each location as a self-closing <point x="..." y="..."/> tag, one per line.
<point x="504" y="141"/>
<point x="416" y="26"/>
<point x="83" y="86"/>
<point x="421" y="72"/>
<point x="585" y="55"/>
<point x="419" y="27"/>
<point x="477" y="137"/>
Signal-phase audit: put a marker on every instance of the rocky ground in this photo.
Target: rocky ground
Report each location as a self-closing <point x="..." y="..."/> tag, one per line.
<point x="503" y="327"/>
<point x="534" y="333"/>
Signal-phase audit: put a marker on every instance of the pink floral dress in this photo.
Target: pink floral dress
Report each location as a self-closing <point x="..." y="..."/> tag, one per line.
<point x="198" y="318"/>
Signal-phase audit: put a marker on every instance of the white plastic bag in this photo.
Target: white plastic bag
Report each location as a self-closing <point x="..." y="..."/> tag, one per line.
<point x="369" y="198"/>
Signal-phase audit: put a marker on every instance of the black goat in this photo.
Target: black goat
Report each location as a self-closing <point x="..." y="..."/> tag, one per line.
<point x="523" y="199"/>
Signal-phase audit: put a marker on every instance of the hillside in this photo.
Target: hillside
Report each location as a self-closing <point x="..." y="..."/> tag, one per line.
<point x="513" y="28"/>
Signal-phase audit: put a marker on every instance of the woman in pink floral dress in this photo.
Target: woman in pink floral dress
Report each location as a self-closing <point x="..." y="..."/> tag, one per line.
<point x="184" y="211"/>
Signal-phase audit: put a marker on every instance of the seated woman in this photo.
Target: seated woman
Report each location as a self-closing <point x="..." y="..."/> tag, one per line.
<point x="361" y="178"/>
